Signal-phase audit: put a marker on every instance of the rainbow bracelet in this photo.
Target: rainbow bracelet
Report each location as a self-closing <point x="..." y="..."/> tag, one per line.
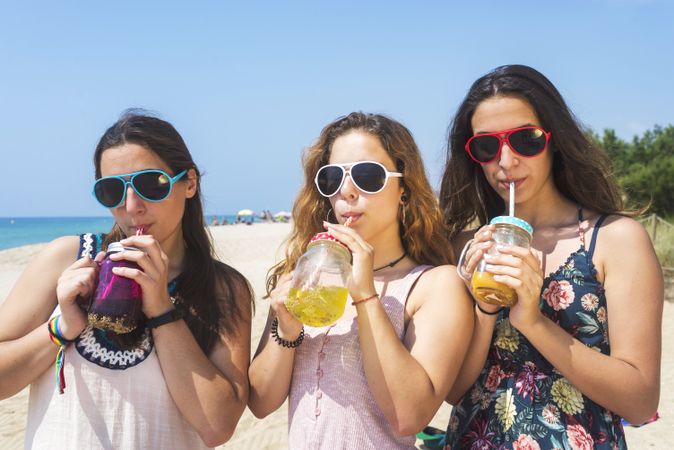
<point x="57" y="338"/>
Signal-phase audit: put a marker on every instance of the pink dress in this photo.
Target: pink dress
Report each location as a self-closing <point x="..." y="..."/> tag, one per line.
<point x="330" y="403"/>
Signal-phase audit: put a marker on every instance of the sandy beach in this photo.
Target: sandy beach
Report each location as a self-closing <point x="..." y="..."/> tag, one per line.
<point x="252" y="250"/>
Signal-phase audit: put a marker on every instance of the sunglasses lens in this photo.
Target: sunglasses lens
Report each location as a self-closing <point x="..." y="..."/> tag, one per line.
<point x="153" y="185"/>
<point x="484" y="148"/>
<point x="329" y="179"/>
<point x="109" y="191"/>
<point x="369" y="177"/>
<point x="528" y="142"/>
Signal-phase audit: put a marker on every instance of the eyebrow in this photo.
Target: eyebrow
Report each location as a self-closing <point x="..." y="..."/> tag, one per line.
<point x="503" y="131"/>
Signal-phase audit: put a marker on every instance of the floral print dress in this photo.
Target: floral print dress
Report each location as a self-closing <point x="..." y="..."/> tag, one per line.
<point x="520" y="401"/>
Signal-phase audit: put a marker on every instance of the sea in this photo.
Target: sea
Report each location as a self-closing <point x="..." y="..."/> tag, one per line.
<point x="18" y="231"/>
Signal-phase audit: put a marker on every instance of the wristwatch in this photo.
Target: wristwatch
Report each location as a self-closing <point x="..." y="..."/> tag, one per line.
<point x="168" y="317"/>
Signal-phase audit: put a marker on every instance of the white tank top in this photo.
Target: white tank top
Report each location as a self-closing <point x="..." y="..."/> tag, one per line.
<point x="114" y="399"/>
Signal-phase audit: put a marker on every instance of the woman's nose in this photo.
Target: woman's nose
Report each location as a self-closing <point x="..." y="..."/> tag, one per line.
<point x="507" y="157"/>
<point x="133" y="202"/>
<point x="348" y="189"/>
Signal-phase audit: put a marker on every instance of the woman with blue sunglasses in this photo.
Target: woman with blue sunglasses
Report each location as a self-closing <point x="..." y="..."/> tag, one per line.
<point x="179" y="379"/>
<point x="376" y="376"/>
<point x="581" y="347"/>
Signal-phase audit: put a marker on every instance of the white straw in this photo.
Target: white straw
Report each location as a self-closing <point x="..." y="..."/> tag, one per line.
<point x="511" y="211"/>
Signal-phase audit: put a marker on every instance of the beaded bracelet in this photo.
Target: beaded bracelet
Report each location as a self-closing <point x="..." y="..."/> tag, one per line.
<point x="363" y="300"/>
<point x="57" y="338"/>
<point x="280" y="341"/>
<point x="487" y="312"/>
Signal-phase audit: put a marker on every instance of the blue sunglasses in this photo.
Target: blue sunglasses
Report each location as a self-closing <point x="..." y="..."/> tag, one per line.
<point x="153" y="185"/>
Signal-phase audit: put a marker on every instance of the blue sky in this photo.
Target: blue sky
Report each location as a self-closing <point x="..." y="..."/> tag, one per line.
<point x="250" y="84"/>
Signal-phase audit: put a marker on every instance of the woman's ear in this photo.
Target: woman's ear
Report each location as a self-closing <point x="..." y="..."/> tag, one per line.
<point x="192" y="183"/>
<point x="404" y="198"/>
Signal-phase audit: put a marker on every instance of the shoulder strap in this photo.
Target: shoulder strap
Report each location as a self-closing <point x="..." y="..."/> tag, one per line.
<point x="416" y="273"/>
<point x="581" y="233"/>
<point x="90" y="244"/>
<point x="595" y="233"/>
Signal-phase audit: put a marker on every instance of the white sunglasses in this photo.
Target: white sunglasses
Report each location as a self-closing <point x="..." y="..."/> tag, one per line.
<point x="369" y="177"/>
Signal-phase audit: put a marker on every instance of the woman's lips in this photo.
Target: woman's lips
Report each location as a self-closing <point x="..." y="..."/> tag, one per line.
<point x="505" y="185"/>
<point x="352" y="216"/>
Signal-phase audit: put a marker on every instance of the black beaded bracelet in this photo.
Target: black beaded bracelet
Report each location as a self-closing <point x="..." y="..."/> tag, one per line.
<point x="487" y="312"/>
<point x="280" y="341"/>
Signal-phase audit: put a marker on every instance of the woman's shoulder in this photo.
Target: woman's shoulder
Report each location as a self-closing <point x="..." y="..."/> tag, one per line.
<point x="439" y="280"/>
<point x="621" y="238"/>
<point x="63" y="249"/>
<point x="617" y="228"/>
<point x="231" y="280"/>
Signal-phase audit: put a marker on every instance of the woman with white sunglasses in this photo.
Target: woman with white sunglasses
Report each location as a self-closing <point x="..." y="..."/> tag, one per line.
<point x="378" y="375"/>
<point x="178" y="380"/>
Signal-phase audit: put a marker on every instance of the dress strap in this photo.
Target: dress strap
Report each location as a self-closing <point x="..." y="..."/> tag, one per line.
<point x="595" y="233"/>
<point x="581" y="235"/>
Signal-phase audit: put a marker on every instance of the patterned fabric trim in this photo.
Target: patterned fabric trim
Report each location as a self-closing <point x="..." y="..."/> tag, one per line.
<point x="87" y="244"/>
<point x="96" y="346"/>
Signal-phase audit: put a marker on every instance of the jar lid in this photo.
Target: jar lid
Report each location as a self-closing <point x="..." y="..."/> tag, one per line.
<point x="327" y="237"/>
<point x="523" y="224"/>
<point x="115" y="247"/>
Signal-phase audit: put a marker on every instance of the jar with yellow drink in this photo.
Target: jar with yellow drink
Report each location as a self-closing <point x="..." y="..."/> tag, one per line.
<point x="319" y="290"/>
<point x="508" y="231"/>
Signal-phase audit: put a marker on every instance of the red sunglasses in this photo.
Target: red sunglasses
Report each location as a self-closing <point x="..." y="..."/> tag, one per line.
<point x="525" y="141"/>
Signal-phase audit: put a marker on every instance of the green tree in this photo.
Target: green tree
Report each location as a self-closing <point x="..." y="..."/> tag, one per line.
<point x="645" y="167"/>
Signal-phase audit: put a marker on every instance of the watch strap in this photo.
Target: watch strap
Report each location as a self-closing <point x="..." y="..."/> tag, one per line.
<point x="162" y="319"/>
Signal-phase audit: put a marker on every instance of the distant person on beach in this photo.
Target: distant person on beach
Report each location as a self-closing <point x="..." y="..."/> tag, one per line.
<point x="581" y="347"/>
<point x="378" y="375"/>
<point x="179" y="379"/>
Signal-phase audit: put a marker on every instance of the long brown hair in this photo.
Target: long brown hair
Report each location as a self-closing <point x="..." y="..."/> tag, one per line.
<point x="422" y="232"/>
<point x="213" y="295"/>
<point x="581" y="170"/>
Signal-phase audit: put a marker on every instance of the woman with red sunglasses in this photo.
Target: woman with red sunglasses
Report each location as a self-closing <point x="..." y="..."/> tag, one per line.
<point x="178" y="380"/>
<point x="581" y="347"/>
<point x="378" y="375"/>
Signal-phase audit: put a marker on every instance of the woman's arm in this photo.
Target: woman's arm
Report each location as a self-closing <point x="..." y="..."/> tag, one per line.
<point x="50" y="279"/>
<point x="271" y="370"/>
<point x="410" y="379"/>
<point x="210" y="391"/>
<point x="484" y="323"/>
<point x="628" y="381"/>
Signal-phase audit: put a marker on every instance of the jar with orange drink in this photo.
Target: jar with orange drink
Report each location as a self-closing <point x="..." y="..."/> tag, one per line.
<point x="508" y="231"/>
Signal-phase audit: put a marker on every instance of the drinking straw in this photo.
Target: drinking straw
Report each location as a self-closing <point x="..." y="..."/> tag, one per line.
<point x="312" y="279"/>
<point x="511" y="210"/>
<point x="140" y="231"/>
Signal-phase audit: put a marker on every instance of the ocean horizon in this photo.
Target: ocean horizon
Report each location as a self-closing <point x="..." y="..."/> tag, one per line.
<point x="19" y="231"/>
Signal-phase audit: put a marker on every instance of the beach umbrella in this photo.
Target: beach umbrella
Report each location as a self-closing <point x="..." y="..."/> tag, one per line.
<point x="245" y="212"/>
<point x="284" y="214"/>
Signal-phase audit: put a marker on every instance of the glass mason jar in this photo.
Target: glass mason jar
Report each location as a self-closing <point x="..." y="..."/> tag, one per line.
<point x="509" y="231"/>
<point x="116" y="304"/>
<point x="319" y="287"/>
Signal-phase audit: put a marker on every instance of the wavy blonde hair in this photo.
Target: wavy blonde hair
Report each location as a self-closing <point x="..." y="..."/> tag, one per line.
<point x="423" y="234"/>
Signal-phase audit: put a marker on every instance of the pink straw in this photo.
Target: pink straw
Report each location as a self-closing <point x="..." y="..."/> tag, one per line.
<point x="140" y="231"/>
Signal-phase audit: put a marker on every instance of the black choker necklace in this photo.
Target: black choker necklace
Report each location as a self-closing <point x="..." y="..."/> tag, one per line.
<point x="392" y="263"/>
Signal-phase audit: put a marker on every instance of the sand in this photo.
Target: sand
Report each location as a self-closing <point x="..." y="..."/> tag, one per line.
<point x="252" y="250"/>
